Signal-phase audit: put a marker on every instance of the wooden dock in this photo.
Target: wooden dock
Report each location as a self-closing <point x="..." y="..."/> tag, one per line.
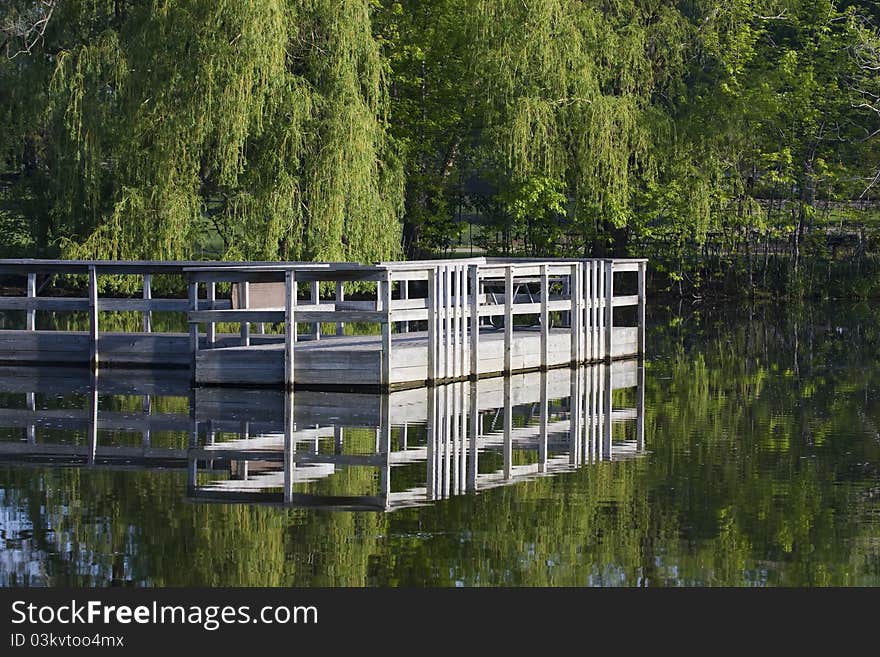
<point x="433" y="321"/>
<point x="272" y="446"/>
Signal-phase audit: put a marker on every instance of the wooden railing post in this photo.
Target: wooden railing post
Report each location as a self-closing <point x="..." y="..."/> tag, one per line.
<point x="290" y="289"/>
<point x="508" y="318"/>
<point x="432" y="325"/>
<point x="211" y="329"/>
<point x="340" y="296"/>
<point x="642" y="302"/>
<point x="193" y="294"/>
<point x="545" y="317"/>
<point x="404" y="294"/>
<point x="385" y="296"/>
<point x="148" y="295"/>
<point x="316" y="299"/>
<point x="475" y="321"/>
<point x="32" y="294"/>
<point x="575" y="324"/>
<point x="93" y="316"/>
<point x="609" y="309"/>
<point x="243" y="303"/>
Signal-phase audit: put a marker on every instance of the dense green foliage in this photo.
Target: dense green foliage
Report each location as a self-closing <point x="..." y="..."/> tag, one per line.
<point x="713" y="136"/>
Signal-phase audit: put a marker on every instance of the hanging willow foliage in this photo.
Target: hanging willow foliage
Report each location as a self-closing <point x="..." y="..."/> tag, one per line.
<point x="571" y="90"/>
<point x="170" y="124"/>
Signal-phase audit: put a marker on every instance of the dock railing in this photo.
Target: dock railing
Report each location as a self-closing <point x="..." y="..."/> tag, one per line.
<point x="448" y="298"/>
<point x="452" y="301"/>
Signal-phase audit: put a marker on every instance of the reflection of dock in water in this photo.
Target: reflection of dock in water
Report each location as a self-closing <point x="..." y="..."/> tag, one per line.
<point x="274" y="447"/>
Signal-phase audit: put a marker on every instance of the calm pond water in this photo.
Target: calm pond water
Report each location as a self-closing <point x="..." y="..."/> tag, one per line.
<point x="745" y="452"/>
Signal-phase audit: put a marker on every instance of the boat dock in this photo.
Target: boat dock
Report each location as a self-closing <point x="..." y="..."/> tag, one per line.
<point x="335" y="326"/>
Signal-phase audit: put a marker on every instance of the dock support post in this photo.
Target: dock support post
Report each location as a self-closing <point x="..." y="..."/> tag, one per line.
<point x="93" y="316"/>
<point x="609" y="309"/>
<point x="432" y="443"/>
<point x="32" y="294"/>
<point x="148" y="295"/>
<point x="212" y="327"/>
<point x="316" y="300"/>
<point x="340" y="296"/>
<point x="474" y="274"/>
<point x="641" y="318"/>
<point x="385" y="298"/>
<point x="193" y="289"/>
<point x="31" y="400"/>
<point x="508" y="319"/>
<point x="432" y="325"/>
<point x="243" y="303"/>
<point x="575" y="324"/>
<point x="289" y="326"/>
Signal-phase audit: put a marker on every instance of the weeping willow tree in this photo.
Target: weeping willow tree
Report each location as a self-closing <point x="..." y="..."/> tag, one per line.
<point x="574" y="101"/>
<point x="172" y="128"/>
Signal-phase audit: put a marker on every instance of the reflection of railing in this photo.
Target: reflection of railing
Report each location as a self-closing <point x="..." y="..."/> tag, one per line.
<point x="560" y="419"/>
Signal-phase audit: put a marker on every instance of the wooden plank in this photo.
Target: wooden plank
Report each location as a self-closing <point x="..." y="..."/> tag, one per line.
<point x="628" y="300"/>
<point x="432" y="327"/>
<point x="193" y="293"/>
<point x="148" y="295"/>
<point x="384" y="293"/>
<point x="211" y="329"/>
<point x="609" y="309"/>
<point x="508" y="317"/>
<point x="575" y="322"/>
<point x="340" y="298"/>
<point x="474" y="271"/>
<point x="57" y="304"/>
<point x="32" y="293"/>
<point x="405" y="301"/>
<point x="641" y="311"/>
<point x="289" y="328"/>
<point x="315" y="289"/>
<point x="545" y="314"/>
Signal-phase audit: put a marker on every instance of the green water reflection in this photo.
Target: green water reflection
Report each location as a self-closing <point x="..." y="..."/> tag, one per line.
<point x="763" y="468"/>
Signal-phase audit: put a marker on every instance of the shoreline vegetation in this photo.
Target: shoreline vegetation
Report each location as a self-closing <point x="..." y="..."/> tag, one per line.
<point x="733" y="143"/>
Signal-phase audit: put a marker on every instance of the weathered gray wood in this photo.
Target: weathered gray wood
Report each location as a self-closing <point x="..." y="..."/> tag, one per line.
<point x="244" y="304"/>
<point x="315" y="290"/>
<point x="289" y="328"/>
<point x="508" y="318"/>
<point x="575" y="328"/>
<point x="340" y="298"/>
<point x="211" y="328"/>
<point x="147" y="294"/>
<point x="609" y="309"/>
<point x="642" y="303"/>
<point x="32" y="293"/>
<point x="474" y="275"/>
<point x="545" y="314"/>
<point x="384" y="294"/>
<point x="404" y="297"/>
<point x="193" y="293"/>
<point x="93" y="316"/>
